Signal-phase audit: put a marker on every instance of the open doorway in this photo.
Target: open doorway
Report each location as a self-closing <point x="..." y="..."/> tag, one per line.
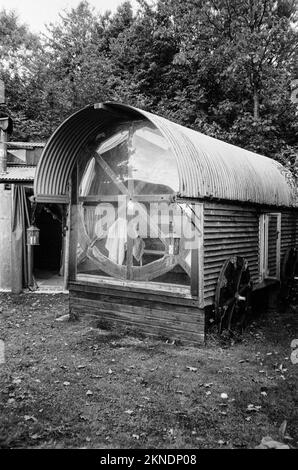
<point x="49" y="254"/>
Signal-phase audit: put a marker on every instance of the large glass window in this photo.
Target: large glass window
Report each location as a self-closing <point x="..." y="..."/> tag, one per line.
<point x="130" y="226"/>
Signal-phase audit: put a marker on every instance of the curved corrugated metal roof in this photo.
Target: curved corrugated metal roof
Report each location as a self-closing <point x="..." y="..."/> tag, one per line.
<point x="207" y="167"/>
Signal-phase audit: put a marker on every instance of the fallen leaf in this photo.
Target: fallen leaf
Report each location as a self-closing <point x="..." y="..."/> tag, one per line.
<point x="192" y="369"/>
<point x="269" y="443"/>
<point x="252" y="407"/>
<point x="30" y="418"/>
<point x="17" y="381"/>
<point x="63" y="318"/>
<point x="294" y="356"/>
<point x="208" y="384"/>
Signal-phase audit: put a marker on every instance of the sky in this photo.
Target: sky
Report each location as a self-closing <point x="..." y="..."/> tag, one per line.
<point x="35" y="13"/>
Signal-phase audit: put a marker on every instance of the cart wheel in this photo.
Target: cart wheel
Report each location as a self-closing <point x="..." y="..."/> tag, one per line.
<point x="288" y="273"/>
<point x="233" y="293"/>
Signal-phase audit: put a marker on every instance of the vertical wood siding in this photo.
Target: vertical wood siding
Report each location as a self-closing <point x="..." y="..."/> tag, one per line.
<point x="228" y="230"/>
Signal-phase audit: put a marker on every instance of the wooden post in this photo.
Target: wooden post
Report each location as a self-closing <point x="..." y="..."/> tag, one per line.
<point x="194" y="272"/>
<point x="129" y="211"/>
<point x="3" y="151"/>
<point x="66" y="250"/>
<point x="129" y="240"/>
<point x="197" y="256"/>
<point x="73" y="230"/>
<point x="3" y="135"/>
<point x="2" y="92"/>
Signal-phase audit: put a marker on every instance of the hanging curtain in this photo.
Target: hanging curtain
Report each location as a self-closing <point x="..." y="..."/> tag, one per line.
<point x="87" y="178"/>
<point x="20" y="222"/>
<point x="113" y="142"/>
<point x="90" y="221"/>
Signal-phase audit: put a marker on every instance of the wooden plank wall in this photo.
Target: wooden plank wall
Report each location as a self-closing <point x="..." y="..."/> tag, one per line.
<point x="153" y="313"/>
<point x="228" y="230"/>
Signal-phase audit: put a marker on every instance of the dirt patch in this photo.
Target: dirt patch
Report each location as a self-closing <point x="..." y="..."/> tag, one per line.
<point x="74" y="384"/>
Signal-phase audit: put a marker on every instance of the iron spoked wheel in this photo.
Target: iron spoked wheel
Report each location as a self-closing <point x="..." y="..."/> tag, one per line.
<point x="233" y="294"/>
<point x="288" y="273"/>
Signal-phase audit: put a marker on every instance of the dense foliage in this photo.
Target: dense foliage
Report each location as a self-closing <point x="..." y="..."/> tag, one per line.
<point x="222" y="67"/>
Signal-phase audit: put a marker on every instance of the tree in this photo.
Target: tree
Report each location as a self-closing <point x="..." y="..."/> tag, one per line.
<point x="17" y="49"/>
<point x="223" y="67"/>
<point x="233" y="71"/>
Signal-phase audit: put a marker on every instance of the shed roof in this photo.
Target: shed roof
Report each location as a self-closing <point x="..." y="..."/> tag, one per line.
<point x="207" y="167"/>
<point x="18" y="174"/>
<point x="25" y="145"/>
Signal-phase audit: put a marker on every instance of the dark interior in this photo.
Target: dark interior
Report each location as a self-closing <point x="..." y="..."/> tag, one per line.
<point x="47" y="255"/>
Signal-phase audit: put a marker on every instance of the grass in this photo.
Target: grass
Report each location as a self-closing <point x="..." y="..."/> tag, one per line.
<point x="75" y="385"/>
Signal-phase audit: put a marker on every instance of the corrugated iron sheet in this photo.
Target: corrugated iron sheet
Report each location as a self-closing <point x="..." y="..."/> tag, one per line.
<point x="207" y="167"/>
<point x="18" y="174"/>
<point x="25" y="145"/>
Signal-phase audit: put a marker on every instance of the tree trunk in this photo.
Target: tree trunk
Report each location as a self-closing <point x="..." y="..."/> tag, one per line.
<point x="256" y="104"/>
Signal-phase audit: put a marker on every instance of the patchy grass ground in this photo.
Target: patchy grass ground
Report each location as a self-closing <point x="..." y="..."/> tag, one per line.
<point x="69" y="385"/>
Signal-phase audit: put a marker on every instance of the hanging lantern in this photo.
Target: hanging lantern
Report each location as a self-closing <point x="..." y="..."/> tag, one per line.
<point x="174" y="240"/>
<point x="32" y="235"/>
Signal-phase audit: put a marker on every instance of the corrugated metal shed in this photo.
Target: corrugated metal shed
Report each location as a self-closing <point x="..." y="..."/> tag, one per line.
<point x="18" y="174"/>
<point x="207" y="167"/>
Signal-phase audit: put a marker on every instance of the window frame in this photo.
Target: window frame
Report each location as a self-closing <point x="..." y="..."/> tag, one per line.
<point x="264" y="243"/>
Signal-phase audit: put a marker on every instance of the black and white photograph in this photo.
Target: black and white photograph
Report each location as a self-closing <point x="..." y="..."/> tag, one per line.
<point x="149" y="229"/>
